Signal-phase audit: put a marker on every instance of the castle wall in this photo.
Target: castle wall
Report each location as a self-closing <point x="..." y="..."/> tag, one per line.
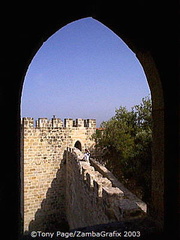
<point x="94" y="196"/>
<point x="42" y="148"/>
<point x="61" y="190"/>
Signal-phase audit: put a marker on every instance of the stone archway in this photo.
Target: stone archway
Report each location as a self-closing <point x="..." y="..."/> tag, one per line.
<point x="78" y="145"/>
<point x="156" y="209"/>
<point x="136" y="26"/>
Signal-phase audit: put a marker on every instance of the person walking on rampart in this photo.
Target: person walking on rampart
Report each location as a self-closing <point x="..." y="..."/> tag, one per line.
<point x="86" y="155"/>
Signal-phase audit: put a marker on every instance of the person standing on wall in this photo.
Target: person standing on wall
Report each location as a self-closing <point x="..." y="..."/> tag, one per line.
<point x="86" y="155"/>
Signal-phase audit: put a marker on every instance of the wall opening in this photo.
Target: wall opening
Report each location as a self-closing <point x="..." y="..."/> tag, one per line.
<point x="156" y="102"/>
<point x="78" y="145"/>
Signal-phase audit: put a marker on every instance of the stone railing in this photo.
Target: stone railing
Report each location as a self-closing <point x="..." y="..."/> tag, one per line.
<point x="94" y="196"/>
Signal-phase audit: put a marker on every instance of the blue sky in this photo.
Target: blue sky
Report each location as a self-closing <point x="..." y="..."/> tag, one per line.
<point x="83" y="71"/>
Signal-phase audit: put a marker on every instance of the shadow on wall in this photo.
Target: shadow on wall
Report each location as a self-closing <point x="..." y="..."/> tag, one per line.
<point x="51" y="217"/>
<point x="52" y="214"/>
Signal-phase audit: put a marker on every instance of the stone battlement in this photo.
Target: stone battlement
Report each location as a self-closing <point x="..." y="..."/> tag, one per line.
<point x="42" y="147"/>
<point x="59" y="186"/>
<point x="29" y="122"/>
<point x="87" y="187"/>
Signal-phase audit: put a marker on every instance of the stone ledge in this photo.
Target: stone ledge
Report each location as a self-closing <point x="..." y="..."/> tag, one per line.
<point x="115" y="183"/>
<point x="116" y="202"/>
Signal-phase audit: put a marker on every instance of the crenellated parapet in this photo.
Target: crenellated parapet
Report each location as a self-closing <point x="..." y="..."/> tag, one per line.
<point x="88" y="187"/>
<point x="29" y="122"/>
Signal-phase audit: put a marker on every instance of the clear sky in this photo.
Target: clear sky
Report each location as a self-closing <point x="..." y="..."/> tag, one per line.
<point x="83" y="71"/>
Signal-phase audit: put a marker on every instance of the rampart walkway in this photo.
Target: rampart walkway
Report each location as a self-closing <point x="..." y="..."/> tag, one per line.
<point x="94" y="200"/>
<point x="94" y="196"/>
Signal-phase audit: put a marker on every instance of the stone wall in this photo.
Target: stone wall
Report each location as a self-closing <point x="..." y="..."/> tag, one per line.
<point x="61" y="190"/>
<point x="43" y="173"/>
<point x="94" y="196"/>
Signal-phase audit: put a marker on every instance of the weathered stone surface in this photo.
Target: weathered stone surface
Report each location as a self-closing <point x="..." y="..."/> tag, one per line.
<point x="93" y="199"/>
<point x="63" y="191"/>
<point x="42" y="147"/>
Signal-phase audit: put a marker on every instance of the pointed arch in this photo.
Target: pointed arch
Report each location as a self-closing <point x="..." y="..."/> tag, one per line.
<point x="78" y="145"/>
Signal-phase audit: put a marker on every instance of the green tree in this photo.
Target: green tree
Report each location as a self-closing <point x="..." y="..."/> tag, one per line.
<point x="125" y="144"/>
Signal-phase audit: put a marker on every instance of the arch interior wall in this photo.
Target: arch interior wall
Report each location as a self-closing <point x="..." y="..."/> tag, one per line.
<point x="143" y="26"/>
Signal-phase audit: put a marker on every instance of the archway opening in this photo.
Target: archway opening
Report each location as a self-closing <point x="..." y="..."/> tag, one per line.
<point x="78" y="145"/>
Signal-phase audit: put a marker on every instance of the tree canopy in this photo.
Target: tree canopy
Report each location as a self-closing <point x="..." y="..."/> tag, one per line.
<point x="125" y="145"/>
